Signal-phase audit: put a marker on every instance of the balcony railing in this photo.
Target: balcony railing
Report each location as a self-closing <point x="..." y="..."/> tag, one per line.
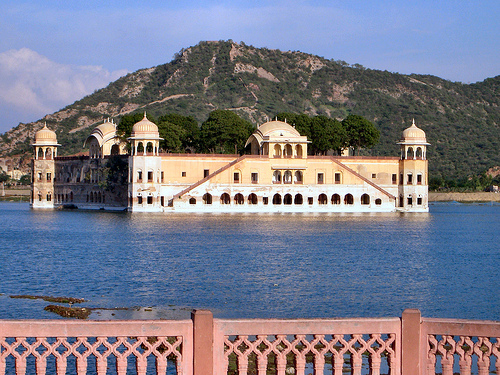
<point x="410" y="345"/>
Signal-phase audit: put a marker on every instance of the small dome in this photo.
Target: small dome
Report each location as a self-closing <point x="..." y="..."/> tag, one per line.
<point x="105" y="128"/>
<point x="103" y="133"/>
<point x="145" y="128"/>
<point x="45" y="136"/>
<point x="413" y="135"/>
<point x="276" y="127"/>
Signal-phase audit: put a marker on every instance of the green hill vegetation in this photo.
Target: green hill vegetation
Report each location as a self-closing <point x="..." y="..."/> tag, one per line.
<point x="461" y="120"/>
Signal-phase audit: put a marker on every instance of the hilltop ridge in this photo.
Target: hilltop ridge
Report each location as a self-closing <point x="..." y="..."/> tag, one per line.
<point x="461" y="120"/>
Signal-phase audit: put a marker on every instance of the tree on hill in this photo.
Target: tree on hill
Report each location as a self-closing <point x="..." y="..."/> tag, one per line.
<point x="301" y="122"/>
<point x="327" y="134"/>
<point x="4" y="177"/>
<point x="173" y="136"/>
<point x="224" y="132"/>
<point x="185" y="128"/>
<point x="361" y="133"/>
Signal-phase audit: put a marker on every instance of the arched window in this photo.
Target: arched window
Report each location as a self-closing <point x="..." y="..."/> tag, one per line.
<point x="207" y="198"/>
<point x="348" y="199"/>
<point x="298" y="177"/>
<point x="277" y="199"/>
<point x="378" y="201"/>
<point x="418" y="153"/>
<point x="252" y="199"/>
<point x="298" y="151"/>
<point x="322" y="199"/>
<point x="277" y="151"/>
<point x="71" y="196"/>
<point x="149" y="148"/>
<point x="335" y="199"/>
<point x="48" y="153"/>
<point x="287" y="199"/>
<point x="40" y="153"/>
<point x="225" y="199"/>
<point x="99" y="199"/>
<point x="277" y="177"/>
<point x="288" y="151"/>
<point x="115" y="150"/>
<point x="191" y="201"/>
<point x="239" y="199"/>
<point x="287" y="177"/>
<point x="298" y="199"/>
<point x="365" y="199"/>
<point x="140" y="148"/>
<point x="409" y="153"/>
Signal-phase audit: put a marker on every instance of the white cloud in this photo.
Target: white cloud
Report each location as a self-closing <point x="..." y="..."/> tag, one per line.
<point x="33" y="84"/>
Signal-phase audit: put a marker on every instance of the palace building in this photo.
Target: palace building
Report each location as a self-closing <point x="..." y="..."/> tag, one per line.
<point x="277" y="176"/>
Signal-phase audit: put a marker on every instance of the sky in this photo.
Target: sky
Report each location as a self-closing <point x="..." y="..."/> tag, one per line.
<point x="54" y="52"/>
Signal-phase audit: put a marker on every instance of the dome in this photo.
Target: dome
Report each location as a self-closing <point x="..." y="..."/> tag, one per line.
<point x="145" y="129"/>
<point x="105" y="129"/>
<point x="413" y="135"/>
<point x="102" y="133"/>
<point x="274" y="127"/>
<point x="45" y="136"/>
<point x="276" y="131"/>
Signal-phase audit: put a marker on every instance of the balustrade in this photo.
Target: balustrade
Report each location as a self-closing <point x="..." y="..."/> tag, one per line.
<point x="410" y="345"/>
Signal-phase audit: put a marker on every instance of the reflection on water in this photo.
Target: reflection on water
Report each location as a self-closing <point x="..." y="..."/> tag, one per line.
<point x="252" y="265"/>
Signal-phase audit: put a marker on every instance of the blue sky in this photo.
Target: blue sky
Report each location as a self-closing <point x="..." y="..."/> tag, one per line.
<point x="55" y="52"/>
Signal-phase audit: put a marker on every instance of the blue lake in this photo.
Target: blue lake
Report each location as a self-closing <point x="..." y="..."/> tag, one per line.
<point x="446" y="263"/>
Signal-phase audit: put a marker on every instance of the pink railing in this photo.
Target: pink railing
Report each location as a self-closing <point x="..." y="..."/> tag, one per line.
<point x="294" y="346"/>
<point x="461" y="346"/>
<point x="410" y="345"/>
<point x="92" y="347"/>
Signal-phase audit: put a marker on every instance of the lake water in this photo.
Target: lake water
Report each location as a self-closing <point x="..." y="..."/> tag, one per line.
<point x="446" y="263"/>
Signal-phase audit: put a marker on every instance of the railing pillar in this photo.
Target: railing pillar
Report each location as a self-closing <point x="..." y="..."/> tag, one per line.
<point x="203" y="342"/>
<point x="410" y="343"/>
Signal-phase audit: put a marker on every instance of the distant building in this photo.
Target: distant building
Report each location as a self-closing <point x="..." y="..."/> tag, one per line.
<point x="278" y="175"/>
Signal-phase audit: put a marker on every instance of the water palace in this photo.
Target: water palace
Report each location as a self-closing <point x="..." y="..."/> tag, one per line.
<point x="278" y="175"/>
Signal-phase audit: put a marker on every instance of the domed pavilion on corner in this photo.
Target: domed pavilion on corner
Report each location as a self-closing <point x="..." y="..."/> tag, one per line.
<point x="277" y="176"/>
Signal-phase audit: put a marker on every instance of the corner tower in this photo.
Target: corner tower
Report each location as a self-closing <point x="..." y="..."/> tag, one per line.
<point x="413" y="171"/>
<point x="43" y="168"/>
<point x="144" y="167"/>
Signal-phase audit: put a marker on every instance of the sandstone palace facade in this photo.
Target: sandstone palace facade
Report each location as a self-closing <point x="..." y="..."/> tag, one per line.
<point x="278" y="175"/>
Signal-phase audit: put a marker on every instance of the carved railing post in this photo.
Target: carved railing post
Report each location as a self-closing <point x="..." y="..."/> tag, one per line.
<point x="411" y="342"/>
<point x="203" y="341"/>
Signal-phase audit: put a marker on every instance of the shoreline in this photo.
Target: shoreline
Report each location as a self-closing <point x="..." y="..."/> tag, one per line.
<point x="464" y="197"/>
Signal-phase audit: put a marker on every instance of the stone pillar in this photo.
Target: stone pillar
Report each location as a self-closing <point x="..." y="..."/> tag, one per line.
<point x="411" y="342"/>
<point x="203" y="342"/>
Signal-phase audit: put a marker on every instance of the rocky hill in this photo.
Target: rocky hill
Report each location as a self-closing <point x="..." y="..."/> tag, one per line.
<point x="462" y="121"/>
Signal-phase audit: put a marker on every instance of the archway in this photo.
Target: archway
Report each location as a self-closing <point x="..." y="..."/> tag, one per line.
<point x="348" y="199"/>
<point x="277" y="151"/>
<point x="277" y="177"/>
<point x="207" y="198"/>
<point x="365" y="199"/>
<point x="298" y="152"/>
<point x="287" y="199"/>
<point x="225" y="199"/>
<point x="298" y="199"/>
<point x="277" y="199"/>
<point x="239" y="199"/>
<point x="335" y="199"/>
<point x="252" y="199"/>
<point x="322" y="199"/>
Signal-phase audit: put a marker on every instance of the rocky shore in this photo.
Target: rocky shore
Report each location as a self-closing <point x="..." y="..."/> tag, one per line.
<point x="464" y="197"/>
